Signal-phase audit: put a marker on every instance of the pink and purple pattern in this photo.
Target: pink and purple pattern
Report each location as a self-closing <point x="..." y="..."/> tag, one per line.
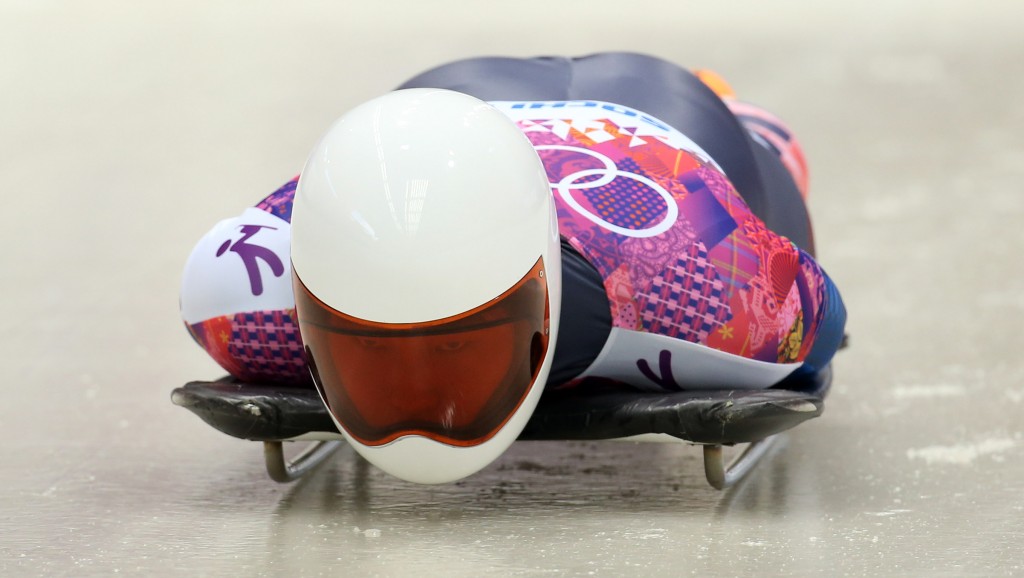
<point x="680" y="252"/>
<point x="279" y="203"/>
<point x="268" y="345"/>
<point x="687" y="301"/>
<point x="256" y="346"/>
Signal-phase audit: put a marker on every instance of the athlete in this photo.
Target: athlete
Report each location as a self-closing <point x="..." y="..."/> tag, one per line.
<point x="497" y="227"/>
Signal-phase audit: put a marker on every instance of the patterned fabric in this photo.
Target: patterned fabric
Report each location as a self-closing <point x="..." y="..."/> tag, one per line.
<point x="626" y="203"/>
<point x="268" y="344"/>
<point x="687" y="300"/>
<point x="680" y="252"/>
<point x="280" y="201"/>
<point x="258" y="346"/>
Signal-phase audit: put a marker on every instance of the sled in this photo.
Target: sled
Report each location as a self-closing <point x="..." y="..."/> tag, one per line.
<point x="274" y="414"/>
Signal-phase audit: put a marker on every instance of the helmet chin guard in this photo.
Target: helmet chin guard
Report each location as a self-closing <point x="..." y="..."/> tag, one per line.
<point x="427" y="273"/>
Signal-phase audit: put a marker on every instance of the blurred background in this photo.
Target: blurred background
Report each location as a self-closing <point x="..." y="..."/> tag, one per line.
<point x="127" y="129"/>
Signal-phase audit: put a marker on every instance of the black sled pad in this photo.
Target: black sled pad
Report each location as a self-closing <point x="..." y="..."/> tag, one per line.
<point x="274" y="413"/>
<point x="705" y="417"/>
<point x="254" y="411"/>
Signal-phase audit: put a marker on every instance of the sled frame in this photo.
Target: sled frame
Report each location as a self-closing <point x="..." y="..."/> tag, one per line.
<point x="719" y="476"/>
<point x="283" y="471"/>
<point x="722" y="477"/>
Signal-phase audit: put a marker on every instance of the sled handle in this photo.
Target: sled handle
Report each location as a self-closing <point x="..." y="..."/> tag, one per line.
<point x="284" y="472"/>
<point x="721" y="477"/>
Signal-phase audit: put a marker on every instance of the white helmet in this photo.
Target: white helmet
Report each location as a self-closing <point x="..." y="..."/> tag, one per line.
<point x="427" y="274"/>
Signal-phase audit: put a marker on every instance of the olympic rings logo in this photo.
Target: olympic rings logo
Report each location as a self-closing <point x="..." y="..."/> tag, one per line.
<point x="608" y="173"/>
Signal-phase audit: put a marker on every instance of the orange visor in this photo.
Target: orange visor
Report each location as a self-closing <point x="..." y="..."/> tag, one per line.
<point x="455" y="380"/>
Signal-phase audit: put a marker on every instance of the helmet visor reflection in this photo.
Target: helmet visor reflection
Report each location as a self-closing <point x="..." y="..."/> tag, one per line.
<point x="456" y="380"/>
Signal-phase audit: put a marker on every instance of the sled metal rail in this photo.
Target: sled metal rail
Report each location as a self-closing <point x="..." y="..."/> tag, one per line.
<point x="283" y="471"/>
<point x="721" y="476"/>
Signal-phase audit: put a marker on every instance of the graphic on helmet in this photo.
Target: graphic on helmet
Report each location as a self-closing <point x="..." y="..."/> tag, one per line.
<point x="427" y="275"/>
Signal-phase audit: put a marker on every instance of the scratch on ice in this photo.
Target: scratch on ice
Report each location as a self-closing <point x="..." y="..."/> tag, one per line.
<point x="928" y="391"/>
<point x="961" y="454"/>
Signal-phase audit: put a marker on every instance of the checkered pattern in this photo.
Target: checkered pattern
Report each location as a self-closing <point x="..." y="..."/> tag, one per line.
<point x="687" y="301"/>
<point x="626" y="202"/>
<point x="267" y="346"/>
